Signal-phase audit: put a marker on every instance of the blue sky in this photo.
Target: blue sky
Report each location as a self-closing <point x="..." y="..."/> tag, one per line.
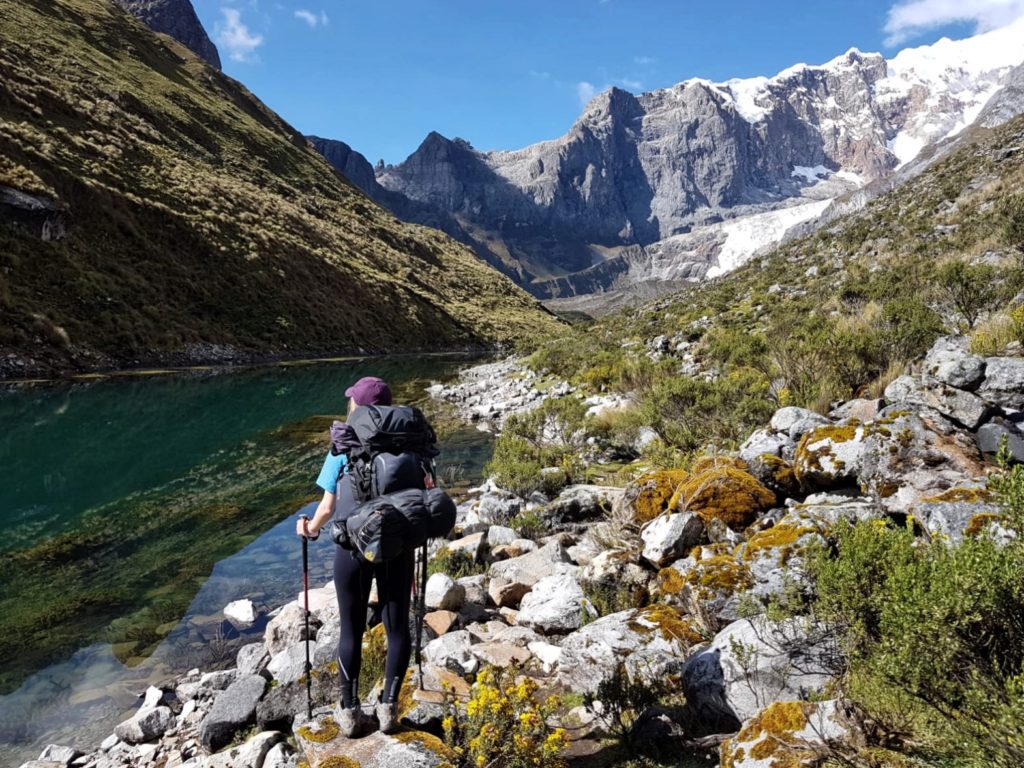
<point x="381" y="74"/>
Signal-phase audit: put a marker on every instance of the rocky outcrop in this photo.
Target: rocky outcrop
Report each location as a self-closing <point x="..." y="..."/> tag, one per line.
<point x="177" y="19"/>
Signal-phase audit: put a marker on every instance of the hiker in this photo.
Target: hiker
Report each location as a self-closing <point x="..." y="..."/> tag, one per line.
<point x="352" y="580"/>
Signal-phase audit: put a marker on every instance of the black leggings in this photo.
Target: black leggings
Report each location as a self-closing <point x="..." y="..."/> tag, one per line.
<point x="352" y="581"/>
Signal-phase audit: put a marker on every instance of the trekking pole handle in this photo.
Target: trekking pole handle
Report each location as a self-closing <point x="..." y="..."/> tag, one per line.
<point x="305" y="529"/>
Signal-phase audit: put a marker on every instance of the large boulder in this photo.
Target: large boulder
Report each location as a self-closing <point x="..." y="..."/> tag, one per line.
<point x="707" y="585"/>
<point x="956" y="404"/>
<point x="908" y="457"/>
<point x="794" y="422"/>
<point x="950" y="362"/>
<point x="671" y="536"/>
<point x="580" y="504"/>
<point x="148" y="724"/>
<point x="281" y="704"/>
<point x="649" y="495"/>
<point x="288" y="628"/>
<point x="252" y="659"/>
<point x="555" y="605"/>
<point x="754" y="662"/>
<point x="1004" y="382"/>
<point x="830" y="456"/>
<point x="323" y="745"/>
<point x="233" y="708"/>
<point x="958" y="513"/>
<point x="796" y="734"/>
<point x="290" y="665"/>
<point x="991" y="436"/>
<point x="652" y="642"/>
<point x="443" y="593"/>
<point x="528" y="569"/>
<point x="763" y="442"/>
<point x="723" y="493"/>
<point x="775" y="556"/>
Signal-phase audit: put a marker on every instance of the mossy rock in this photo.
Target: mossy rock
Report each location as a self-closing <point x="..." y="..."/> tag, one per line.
<point x="776" y="474"/>
<point x="725" y="494"/>
<point x="651" y="494"/>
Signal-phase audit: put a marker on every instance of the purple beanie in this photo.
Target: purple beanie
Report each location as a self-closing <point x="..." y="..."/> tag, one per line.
<point x="370" y="390"/>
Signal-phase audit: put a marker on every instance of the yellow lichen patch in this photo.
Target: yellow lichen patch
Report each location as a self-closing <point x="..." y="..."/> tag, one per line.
<point x="706" y="463"/>
<point x="980" y="522"/>
<point x="405" y="695"/>
<point x="672" y="624"/>
<point x="781" y="471"/>
<point x="772" y="730"/>
<point x="779" y="537"/>
<point x="727" y="494"/>
<point x="326" y="730"/>
<point x="966" y="495"/>
<point x="427" y="740"/>
<point x="650" y="494"/>
<point x="338" y="761"/>
<point x="670" y="581"/>
<point x="718" y="575"/>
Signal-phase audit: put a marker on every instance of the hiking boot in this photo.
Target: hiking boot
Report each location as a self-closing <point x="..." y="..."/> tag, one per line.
<point x="387" y="716"/>
<point x="353" y="722"/>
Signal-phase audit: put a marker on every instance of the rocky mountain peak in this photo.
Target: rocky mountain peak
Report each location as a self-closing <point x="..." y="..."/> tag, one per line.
<point x="177" y="19"/>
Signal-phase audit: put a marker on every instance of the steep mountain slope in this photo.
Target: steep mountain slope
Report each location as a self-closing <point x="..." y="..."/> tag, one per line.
<point x="580" y="213"/>
<point x="176" y="18"/>
<point x="152" y="209"/>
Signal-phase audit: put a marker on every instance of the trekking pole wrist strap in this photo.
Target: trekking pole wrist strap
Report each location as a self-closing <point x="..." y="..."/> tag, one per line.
<point x="305" y="530"/>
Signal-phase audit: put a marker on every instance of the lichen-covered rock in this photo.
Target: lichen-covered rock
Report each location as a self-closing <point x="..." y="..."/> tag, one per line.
<point x="958" y="513"/>
<point x="830" y="456"/>
<point x="707" y="584"/>
<point x="652" y="642"/>
<point x="763" y="442"/>
<point x="555" y="605"/>
<point x="774" y="473"/>
<point x="959" y="405"/>
<point x="784" y="419"/>
<point x="1004" y="382"/>
<point x="790" y="734"/>
<point x="723" y="493"/>
<point x="830" y="508"/>
<point x="775" y="557"/>
<point x="670" y="536"/>
<point x="909" y="457"/>
<point x="752" y="663"/>
<point x="324" y="747"/>
<point x="649" y="495"/>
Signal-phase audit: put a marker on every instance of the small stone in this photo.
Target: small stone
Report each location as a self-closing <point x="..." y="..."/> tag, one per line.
<point x="241" y="613"/>
<point x="147" y="724"/>
<point x="58" y="754"/>
<point x="443" y="593"/>
<point x="671" y="536"/>
<point x="504" y="593"/>
<point x="441" y="621"/>
<point x="500" y="654"/>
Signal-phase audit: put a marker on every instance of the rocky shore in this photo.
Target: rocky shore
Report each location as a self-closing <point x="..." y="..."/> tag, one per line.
<point x="669" y="575"/>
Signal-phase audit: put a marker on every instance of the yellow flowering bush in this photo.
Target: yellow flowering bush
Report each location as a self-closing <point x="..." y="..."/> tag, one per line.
<point x="504" y="725"/>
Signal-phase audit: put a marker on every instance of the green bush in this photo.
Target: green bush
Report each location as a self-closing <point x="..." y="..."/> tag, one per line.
<point x="455" y="562"/>
<point x="969" y="290"/>
<point x="935" y="636"/>
<point x="621" y="698"/>
<point x="690" y="413"/>
<point x="538" y="450"/>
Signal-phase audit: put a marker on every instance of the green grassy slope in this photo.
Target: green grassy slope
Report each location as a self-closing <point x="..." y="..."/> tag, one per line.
<point x="198" y="216"/>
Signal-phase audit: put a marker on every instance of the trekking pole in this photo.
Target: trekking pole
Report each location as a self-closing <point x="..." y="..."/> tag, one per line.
<point x="421" y="610"/>
<point x="305" y="600"/>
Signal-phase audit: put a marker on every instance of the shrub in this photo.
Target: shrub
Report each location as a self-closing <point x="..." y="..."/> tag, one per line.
<point x="504" y="725"/>
<point x="690" y="413"/>
<point x="935" y="635"/>
<point x="455" y="562"/>
<point x="621" y="698"/>
<point x="969" y="290"/>
<point x="529" y="525"/>
<point x="612" y="597"/>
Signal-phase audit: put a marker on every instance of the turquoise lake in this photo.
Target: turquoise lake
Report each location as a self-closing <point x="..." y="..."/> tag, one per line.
<point x="132" y="509"/>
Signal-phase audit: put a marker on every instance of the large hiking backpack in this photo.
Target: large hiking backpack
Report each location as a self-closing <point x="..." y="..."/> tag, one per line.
<point x="386" y="503"/>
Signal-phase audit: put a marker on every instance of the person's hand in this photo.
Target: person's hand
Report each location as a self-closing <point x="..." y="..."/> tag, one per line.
<point x="303" y="528"/>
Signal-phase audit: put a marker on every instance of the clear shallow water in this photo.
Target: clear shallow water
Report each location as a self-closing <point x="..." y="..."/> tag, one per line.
<point x="132" y="510"/>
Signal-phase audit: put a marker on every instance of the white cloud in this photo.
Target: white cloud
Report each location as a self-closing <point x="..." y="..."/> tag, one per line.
<point x="540" y="75"/>
<point x="307" y="16"/>
<point x="585" y="91"/>
<point x="234" y="37"/>
<point x="631" y="85"/>
<point x="324" y="21"/>
<point x="909" y="18"/>
<point x="644" y="61"/>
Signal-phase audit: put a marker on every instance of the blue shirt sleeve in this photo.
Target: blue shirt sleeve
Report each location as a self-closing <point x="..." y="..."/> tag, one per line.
<point x="333" y="466"/>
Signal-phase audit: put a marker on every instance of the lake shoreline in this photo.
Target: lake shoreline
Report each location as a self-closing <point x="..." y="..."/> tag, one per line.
<point x="174" y="365"/>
